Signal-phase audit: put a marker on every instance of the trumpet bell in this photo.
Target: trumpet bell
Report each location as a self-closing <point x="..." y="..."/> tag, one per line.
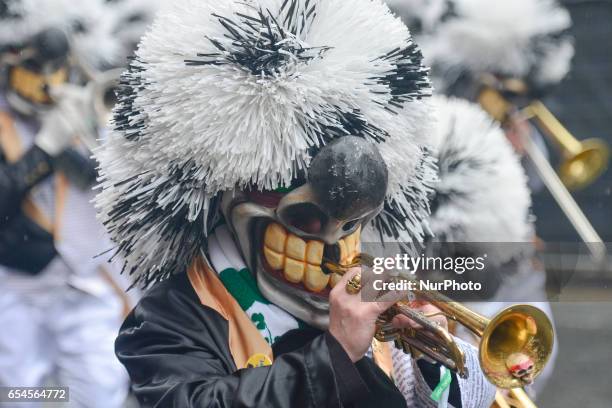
<point x="521" y="329"/>
<point x="583" y="167"/>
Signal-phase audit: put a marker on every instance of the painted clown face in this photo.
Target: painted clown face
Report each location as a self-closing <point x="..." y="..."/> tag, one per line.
<point x="286" y="236"/>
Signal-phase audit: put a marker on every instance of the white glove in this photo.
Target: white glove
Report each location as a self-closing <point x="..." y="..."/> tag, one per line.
<point x="72" y="117"/>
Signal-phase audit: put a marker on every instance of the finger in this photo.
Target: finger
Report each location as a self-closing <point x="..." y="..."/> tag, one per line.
<point x="350" y="274"/>
<point x="341" y="285"/>
<point x="393" y="296"/>
<point x="401" y="322"/>
<point x="376" y="308"/>
<point x="339" y="294"/>
<point x="433" y="313"/>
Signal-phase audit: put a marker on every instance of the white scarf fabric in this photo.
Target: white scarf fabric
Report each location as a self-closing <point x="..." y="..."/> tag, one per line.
<point x="226" y="260"/>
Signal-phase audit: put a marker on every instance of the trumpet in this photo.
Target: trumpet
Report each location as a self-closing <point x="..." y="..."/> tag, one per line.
<point x="518" y="333"/>
<point x="583" y="162"/>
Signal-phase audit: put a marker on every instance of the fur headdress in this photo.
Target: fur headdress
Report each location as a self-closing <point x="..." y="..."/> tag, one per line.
<point x="521" y="38"/>
<point x="127" y="21"/>
<point x="83" y="22"/>
<point x="240" y="94"/>
<point x="482" y="195"/>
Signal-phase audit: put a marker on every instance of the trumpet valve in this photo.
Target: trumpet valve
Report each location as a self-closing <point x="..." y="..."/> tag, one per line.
<point x="385" y="331"/>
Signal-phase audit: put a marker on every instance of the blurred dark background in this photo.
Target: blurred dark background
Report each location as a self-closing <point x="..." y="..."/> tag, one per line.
<point x="583" y="103"/>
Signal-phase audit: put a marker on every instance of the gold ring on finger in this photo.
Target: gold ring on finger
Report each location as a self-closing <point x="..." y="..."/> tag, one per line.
<point x="353" y="286"/>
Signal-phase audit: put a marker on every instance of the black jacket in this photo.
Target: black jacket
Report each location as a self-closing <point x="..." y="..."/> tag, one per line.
<point x="176" y="352"/>
<point x="24" y="245"/>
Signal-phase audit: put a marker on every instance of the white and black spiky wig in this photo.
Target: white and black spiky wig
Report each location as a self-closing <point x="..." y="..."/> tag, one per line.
<point x="241" y="94"/>
<point x="22" y="19"/>
<point x="482" y="195"/>
<point x="525" y="39"/>
<point x="82" y="21"/>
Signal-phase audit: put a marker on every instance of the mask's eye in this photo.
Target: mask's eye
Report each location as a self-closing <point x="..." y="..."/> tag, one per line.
<point x="350" y="225"/>
<point x="305" y="217"/>
<point x="522" y="372"/>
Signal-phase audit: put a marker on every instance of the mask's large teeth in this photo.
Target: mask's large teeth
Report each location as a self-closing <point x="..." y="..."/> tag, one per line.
<point x="275" y="238"/>
<point x="314" y="252"/>
<point x="294" y="270"/>
<point x="295" y="248"/>
<point x="350" y="247"/>
<point x="315" y="280"/>
<point x="343" y="251"/>
<point x="300" y="260"/>
<point x="352" y="243"/>
<point x="295" y="251"/>
<point x="274" y="259"/>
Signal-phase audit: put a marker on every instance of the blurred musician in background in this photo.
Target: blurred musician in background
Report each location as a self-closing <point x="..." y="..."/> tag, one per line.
<point x="520" y="49"/>
<point x="59" y="306"/>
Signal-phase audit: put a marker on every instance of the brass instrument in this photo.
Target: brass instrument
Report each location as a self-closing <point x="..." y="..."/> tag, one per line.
<point x="98" y="95"/>
<point x="102" y="86"/>
<point x="104" y="98"/>
<point x="517" y="398"/>
<point x="517" y="329"/>
<point x="584" y="161"/>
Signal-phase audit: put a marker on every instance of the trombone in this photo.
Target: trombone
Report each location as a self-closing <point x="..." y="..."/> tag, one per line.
<point x="584" y="161"/>
<point x="519" y="330"/>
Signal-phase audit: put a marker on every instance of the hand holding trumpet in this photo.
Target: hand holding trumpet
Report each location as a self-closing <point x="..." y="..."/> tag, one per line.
<point x="353" y="322"/>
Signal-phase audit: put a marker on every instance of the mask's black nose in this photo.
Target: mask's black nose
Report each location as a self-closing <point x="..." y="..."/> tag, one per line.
<point x="349" y="177"/>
